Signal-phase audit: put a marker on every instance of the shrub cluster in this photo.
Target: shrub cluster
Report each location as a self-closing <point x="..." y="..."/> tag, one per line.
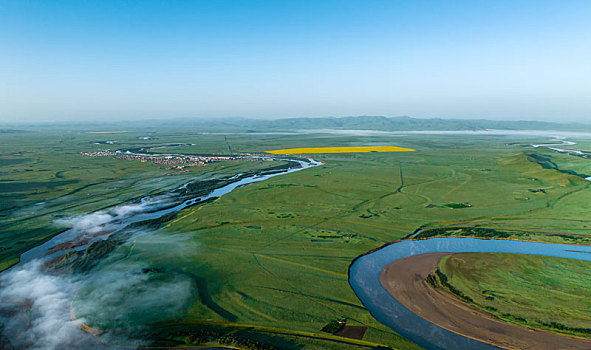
<point x="463" y="231"/>
<point x="443" y="278"/>
<point x="432" y="280"/>
<point x="221" y="336"/>
<point x="245" y="343"/>
<point x="563" y="327"/>
<point x="333" y="327"/>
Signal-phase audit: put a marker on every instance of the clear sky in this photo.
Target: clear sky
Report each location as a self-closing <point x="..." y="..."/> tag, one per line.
<point x="122" y="60"/>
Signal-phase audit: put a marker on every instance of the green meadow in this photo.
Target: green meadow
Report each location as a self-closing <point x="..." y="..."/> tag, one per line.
<point x="44" y="177"/>
<point x="532" y="291"/>
<point x="268" y="262"/>
<point x="276" y="253"/>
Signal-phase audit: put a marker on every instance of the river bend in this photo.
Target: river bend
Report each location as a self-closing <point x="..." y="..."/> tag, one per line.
<point x="364" y="278"/>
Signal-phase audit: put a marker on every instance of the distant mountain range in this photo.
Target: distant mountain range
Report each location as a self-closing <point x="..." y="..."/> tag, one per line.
<point x="360" y="123"/>
<point x="408" y="123"/>
<point x="377" y="123"/>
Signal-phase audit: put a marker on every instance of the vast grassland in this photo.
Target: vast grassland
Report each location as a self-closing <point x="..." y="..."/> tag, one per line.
<point x="275" y="254"/>
<point x="43" y="177"/>
<point x="533" y="291"/>
<point x="270" y="260"/>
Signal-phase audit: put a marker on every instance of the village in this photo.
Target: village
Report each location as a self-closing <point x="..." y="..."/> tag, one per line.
<point x="178" y="162"/>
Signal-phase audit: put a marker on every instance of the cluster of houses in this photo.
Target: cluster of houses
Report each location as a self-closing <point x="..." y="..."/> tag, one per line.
<point x="177" y="162"/>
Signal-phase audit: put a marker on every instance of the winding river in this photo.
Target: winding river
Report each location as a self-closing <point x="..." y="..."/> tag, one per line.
<point x="47" y="322"/>
<point x="153" y="208"/>
<point x="364" y="272"/>
<point x="364" y="278"/>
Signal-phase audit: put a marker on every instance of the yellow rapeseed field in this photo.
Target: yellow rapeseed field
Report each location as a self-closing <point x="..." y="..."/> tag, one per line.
<point x="340" y="150"/>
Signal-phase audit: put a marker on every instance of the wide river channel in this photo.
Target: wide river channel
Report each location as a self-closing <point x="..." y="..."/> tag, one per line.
<point x="364" y="278"/>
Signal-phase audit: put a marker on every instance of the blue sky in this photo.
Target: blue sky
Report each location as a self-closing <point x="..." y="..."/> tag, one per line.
<point x="122" y="60"/>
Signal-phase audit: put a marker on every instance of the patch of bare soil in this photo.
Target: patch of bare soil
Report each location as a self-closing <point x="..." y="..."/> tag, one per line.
<point x="405" y="280"/>
<point x="353" y="332"/>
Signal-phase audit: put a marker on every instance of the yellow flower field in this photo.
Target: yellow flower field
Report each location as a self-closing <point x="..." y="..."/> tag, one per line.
<point x="312" y="150"/>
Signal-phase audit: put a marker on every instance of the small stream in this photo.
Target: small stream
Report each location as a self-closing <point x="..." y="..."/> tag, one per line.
<point x="563" y="142"/>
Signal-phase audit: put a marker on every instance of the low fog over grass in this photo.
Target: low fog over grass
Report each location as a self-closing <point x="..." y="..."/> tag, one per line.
<point x="125" y="290"/>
